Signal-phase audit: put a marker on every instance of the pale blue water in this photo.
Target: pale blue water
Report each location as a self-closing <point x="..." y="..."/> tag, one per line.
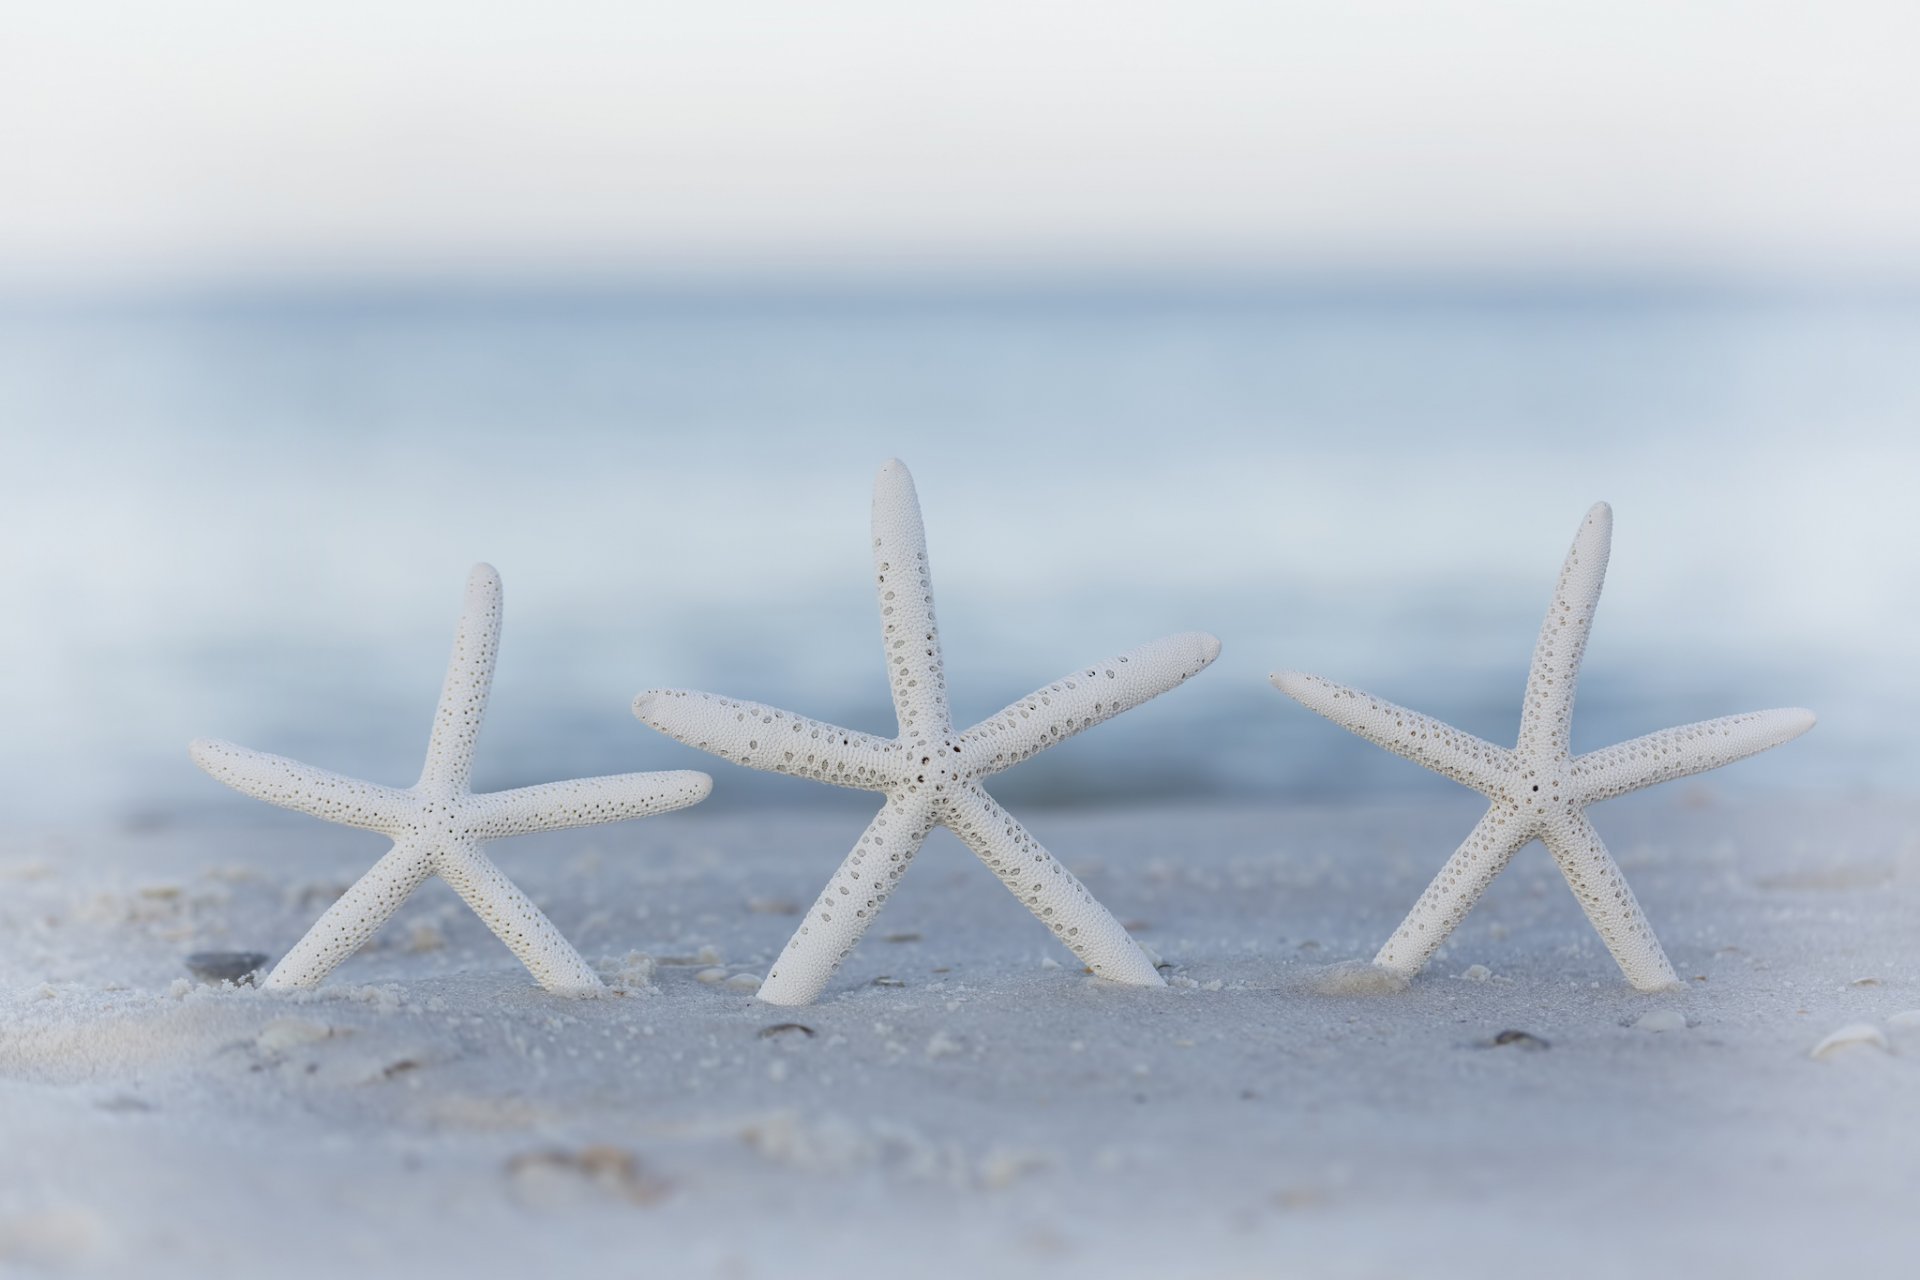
<point x="251" y="518"/>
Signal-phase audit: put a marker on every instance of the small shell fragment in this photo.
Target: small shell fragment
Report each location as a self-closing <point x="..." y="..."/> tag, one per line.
<point x="284" y="1034"/>
<point x="1854" y="1033"/>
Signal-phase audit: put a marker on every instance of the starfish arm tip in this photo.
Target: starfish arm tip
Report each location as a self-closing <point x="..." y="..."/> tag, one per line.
<point x="1187" y="652"/>
<point x="228" y="763"/>
<point x="483" y="586"/>
<point x="1295" y="684"/>
<point x="661" y="791"/>
<point x="1593" y="543"/>
<point x="1686" y="750"/>
<point x="1781" y="726"/>
<point x="896" y="506"/>
<point x="758" y="736"/>
<point x="289" y="784"/>
<point x="667" y="710"/>
<point x="1596" y="528"/>
<point x="583" y="802"/>
<point x="1467" y="759"/>
<point x="1078" y="701"/>
<point x="220" y="759"/>
<point x="894" y="483"/>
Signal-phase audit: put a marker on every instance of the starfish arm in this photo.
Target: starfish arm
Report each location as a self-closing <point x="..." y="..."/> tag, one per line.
<point x="849" y="903"/>
<point x="293" y="785"/>
<point x="908" y="631"/>
<point x="762" y="737"/>
<point x="1082" y="700"/>
<point x="1472" y="761"/>
<point x="345" y="926"/>
<point x="1603" y="893"/>
<point x="463" y="698"/>
<point x="583" y="802"/>
<point x="1484" y="854"/>
<point x="1546" y="719"/>
<point x="1677" y="753"/>
<point x="1048" y="889"/>
<point x="516" y="921"/>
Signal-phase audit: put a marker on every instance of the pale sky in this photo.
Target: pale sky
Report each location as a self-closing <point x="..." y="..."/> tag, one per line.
<point x="199" y="137"/>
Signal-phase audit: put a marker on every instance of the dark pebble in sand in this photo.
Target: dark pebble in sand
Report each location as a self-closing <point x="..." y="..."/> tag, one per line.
<point x="782" y="1028"/>
<point x="1520" y="1040"/>
<point x="226" y="966"/>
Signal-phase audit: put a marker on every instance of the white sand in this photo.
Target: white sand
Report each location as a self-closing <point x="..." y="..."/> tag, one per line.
<point x="995" y="1113"/>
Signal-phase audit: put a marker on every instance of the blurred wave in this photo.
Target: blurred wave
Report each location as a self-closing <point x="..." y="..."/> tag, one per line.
<point x="250" y="516"/>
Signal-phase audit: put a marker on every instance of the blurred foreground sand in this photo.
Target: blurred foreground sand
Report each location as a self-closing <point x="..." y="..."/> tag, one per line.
<point x="965" y="1101"/>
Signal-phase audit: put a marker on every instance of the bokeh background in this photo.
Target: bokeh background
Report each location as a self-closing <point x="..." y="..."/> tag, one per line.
<point x="1315" y="325"/>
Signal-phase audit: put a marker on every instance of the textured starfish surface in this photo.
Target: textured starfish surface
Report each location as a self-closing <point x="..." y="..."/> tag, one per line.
<point x="930" y="774"/>
<point x="1539" y="789"/>
<point x="438" y="824"/>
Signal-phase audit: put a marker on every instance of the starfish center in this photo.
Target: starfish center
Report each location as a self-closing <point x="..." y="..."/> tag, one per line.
<point x="1541" y="788"/>
<point x="934" y="763"/>
<point x="437" y="814"/>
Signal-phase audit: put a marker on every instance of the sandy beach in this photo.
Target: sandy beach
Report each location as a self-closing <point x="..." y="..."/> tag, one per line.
<point x="964" y="1100"/>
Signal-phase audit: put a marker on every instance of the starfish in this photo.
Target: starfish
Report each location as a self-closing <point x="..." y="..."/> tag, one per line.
<point x="1539" y="789"/>
<point x="930" y="774"/>
<point x="437" y="825"/>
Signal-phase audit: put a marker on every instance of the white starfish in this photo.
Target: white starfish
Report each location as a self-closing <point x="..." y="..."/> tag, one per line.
<point x="437" y="824"/>
<point x="930" y="774"/>
<point x="1540" y="790"/>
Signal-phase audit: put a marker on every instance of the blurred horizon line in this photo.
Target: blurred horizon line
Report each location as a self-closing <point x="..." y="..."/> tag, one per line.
<point x="868" y="284"/>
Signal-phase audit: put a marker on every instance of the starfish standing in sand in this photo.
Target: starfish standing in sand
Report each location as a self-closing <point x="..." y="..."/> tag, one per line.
<point x="1539" y="789"/>
<point x="930" y="774"/>
<point x="437" y="824"/>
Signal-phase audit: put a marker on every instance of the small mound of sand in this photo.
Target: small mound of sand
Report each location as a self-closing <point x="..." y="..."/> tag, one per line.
<point x="1358" y="978"/>
<point x="53" y="1239"/>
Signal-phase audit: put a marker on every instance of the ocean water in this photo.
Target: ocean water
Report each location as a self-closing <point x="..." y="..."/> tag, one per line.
<point x="250" y="516"/>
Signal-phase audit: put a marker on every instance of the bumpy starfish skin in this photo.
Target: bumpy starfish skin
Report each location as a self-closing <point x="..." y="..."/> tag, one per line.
<point x="1539" y="789"/>
<point x="930" y="774"/>
<point x="437" y="824"/>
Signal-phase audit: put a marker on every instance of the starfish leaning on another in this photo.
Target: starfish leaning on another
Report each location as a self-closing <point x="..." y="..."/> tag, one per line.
<point x="930" y="774"/>
<point x="438" y="823"/>
<point x="1540" y="789"/>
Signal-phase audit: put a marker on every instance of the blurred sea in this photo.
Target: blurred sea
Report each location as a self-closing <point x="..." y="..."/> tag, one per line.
<point x="250" y="516"/>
